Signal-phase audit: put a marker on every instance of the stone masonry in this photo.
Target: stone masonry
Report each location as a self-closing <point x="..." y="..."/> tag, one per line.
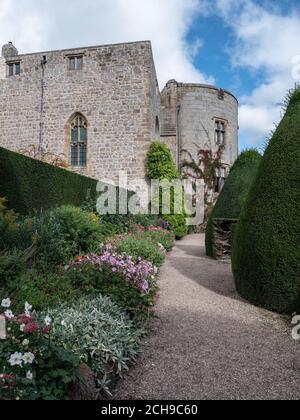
<point x="116" y="91"/>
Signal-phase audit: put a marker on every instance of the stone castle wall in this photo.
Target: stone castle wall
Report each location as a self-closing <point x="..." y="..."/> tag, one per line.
<point x="189" y="113"/>
<point x="118" y="94"/>
<point x="116" y="91"/>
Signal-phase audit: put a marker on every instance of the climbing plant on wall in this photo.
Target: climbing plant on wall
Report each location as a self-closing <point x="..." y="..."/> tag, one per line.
<point x="56" y="160"/>
<point x="204" y="168"/>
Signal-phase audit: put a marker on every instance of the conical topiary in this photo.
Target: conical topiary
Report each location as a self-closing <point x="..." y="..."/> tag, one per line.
<point x="266" y="250"/>
<point x="234" y="194"/>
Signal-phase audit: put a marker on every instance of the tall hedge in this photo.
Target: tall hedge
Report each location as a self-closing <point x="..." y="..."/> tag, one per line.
<point x="234" y="194"/>
<point x="31" y="185"/>
<point x="266" y="251"/>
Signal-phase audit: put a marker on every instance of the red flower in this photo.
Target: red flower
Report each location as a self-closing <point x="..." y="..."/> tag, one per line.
<point x="31" y="328"/>
<point x="25" y="319"/>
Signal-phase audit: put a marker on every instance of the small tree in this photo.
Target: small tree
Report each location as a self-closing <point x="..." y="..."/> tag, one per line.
<point x="234" y="194"/>
<point x="266" y="250"/>
<point x="161" y="166"/>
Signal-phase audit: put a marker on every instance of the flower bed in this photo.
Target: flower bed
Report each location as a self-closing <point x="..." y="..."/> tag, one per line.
<point x="33" y="366"/>
<point x="139" y="274"/>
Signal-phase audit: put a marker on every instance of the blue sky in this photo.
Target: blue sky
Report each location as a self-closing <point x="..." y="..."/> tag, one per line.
<point x="250" y="47"/>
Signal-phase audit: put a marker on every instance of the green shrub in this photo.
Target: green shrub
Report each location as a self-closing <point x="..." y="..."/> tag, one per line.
<point x="41" y="290"/>
<point x="67" y="232"/>
<point x="266" y="251"/>
<point x="160" y="166"/>
<point x="141" y="248"/>
<point x="147" y="220"/>
<point x="121" y="223"/>
<point x="164" y="238"/>
<point x="177" y="224"/>
<point x="102" y="336"/>
<point x="234" y="194"/>
<point x="11" y="267"/>
<point x="31" y="185"/>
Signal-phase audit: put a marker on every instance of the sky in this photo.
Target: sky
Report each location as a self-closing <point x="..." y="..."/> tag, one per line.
<point x="250" y="47"/>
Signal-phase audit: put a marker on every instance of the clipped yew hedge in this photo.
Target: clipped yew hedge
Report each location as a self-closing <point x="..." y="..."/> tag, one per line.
<point x="266" y="249"/>
<point x="30" y="185"/>
<point x="234" y="194"/>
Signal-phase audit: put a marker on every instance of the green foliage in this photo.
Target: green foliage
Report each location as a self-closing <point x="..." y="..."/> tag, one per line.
<point x="121" y="223"/>
<point x="177" y="224"/>
<point x="102" y="336"/>
<point x="141" y="248"/>
<point x="234" y="194"/>
<point x="165" y="238"/>
<point x="147" y="220"/>
<point x="11" y="266"/>
<point x="31" y="185"/>
<point x="266" y="251"/>
<point x="65" y="233"/>
<point x="41" y="290"/>
<point x="160" y="164"/>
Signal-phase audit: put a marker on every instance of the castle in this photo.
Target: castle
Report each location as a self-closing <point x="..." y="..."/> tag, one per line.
<point x="100" y="107"/>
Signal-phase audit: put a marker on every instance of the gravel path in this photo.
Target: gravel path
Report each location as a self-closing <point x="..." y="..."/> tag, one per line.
<point x="208" y="343"/>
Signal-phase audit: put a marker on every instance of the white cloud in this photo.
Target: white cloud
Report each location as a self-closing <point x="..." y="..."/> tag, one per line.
<point x="266" y="41"/>
<point x="53" y="24"/>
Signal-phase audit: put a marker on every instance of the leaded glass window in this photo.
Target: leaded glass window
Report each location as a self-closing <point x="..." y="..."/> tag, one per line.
<point x="76" y="63"/>
<point x="79" y="141"/>
<point x="220" y="132"/>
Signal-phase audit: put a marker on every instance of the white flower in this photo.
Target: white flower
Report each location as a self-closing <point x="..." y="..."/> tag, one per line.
<point x="48" y="321"/>
<point x="28" y="358"/>
<point x="6" y="303"/>
<point x="22" y="327"/>
<point x="29" y="376"/>
<point x="25" y="343"/>
<point x="28" y="309"/>
<point x="63" y="323"/>
<point x="9" y="314"/>
<point x="16" y="359"/>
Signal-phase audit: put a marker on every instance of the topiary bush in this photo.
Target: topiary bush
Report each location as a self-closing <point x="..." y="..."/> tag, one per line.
<point x="266" y="250"/>
<point x="160" y="166"/>
<point x="234" y="194"/>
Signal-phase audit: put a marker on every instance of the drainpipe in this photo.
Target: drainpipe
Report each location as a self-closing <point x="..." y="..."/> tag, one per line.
<point x="178" y="130"/>
<point x="41" y="134"/>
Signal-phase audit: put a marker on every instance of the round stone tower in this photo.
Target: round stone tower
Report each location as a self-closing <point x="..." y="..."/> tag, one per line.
<point x="9" y="50"/>
<point x="200" y="125"/>
<point x="195" y="117"/>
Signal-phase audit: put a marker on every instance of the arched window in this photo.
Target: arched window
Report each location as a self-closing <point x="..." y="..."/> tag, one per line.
<point x="79" y="141"/>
